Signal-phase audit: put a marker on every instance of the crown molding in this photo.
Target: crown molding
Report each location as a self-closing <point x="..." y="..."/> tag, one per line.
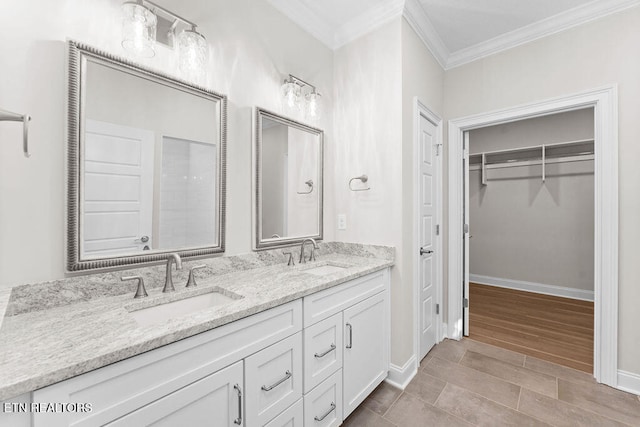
<point x="307" y="20"/>
<point x="418" y="20"/>
<point x="368" y="21"/>
<point x="554" y="24"/>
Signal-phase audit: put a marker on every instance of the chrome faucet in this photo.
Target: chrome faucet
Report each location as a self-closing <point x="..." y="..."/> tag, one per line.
<point x="168" y="283"/>
<point x="312" y="256"/>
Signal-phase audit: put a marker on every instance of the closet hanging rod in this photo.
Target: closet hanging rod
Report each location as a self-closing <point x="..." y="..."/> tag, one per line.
<point x="535" y="147"/>
<point x="517" y="164"/>
<point x="8" y="116"/>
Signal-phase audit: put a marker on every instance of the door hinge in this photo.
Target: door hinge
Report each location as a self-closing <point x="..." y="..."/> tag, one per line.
<point x="466" y="303"/>
<point x="438" y="149"/>
<point x="465" y="228"/>
<point x="437" y="229"/>
<point x="437" y="308"/>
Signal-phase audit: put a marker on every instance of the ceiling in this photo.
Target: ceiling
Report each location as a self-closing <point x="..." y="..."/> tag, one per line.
<point x="456" y="31"/>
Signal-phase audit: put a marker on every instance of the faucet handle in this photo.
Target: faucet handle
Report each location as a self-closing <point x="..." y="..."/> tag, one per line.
<point x="192" y="278"/>
<point x="290" y="261"/>
<point x="141" y="292"/>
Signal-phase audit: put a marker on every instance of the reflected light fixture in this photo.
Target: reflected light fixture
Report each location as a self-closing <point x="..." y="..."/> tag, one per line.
<point x="143" y="20"/>
<point x="139" y="25"/>
<point x="291" y="92"/>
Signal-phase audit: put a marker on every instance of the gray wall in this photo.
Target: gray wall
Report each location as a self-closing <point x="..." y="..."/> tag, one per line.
<point x="524" y="229"/>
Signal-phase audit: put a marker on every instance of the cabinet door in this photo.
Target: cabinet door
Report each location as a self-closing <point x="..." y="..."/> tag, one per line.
<point x="366" y="349"/>
<point x="322" y="350"/>
<point x="273" y="378"/>
<point x="215" y="400"/>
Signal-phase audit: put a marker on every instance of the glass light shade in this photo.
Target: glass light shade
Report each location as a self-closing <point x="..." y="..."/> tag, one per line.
<point x="314" y="106"/>
<point x="192" y="54"/>
<point x="139" y="26"/>
<point x="290" y="96"/>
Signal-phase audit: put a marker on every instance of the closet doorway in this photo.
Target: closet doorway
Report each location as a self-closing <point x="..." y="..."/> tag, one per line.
<point x="531" y="236"/>
<point x="604" y="102"/>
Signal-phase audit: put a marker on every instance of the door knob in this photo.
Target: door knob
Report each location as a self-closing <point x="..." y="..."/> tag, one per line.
<point x="425" y="251"/>
<point x="143" y="239"/>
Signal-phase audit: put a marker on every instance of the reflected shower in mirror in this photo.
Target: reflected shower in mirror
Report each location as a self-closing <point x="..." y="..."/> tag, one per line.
<point x="288" y="181"/>
<point x="146" y="156"/>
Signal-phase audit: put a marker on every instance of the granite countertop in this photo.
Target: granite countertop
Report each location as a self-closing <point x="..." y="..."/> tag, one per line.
<point x="43" y="341"/>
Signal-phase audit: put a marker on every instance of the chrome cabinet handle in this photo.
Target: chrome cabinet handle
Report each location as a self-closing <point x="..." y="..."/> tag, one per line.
<point x="287" y="375"/>
<point x="333" y="407"/>
<point x="323" y="354"/>
<point x="143" y="239"/>
<point x="238" y="420"/>
<point x="350" y="335"/>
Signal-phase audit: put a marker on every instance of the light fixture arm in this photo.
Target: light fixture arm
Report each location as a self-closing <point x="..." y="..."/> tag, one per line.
<point x="168" y="12"/>
<point x="301" y="83"/>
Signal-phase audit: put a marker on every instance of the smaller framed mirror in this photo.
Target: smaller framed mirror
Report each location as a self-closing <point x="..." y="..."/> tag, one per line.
<point x="288" y="158"/>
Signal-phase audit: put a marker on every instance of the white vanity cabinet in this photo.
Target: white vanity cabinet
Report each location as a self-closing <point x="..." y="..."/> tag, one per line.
<point x="308" y="362"/>
<point x="361" y="309"/>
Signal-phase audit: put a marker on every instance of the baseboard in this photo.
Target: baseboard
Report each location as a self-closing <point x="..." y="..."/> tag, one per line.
<point x="401" y="376"/>
<point x="628" y="381"/>
<point x="445" y="333"/>
<point x="538" y="288"/>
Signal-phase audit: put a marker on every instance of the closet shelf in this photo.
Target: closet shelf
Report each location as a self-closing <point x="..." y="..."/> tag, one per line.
<point x="562" y="152"/>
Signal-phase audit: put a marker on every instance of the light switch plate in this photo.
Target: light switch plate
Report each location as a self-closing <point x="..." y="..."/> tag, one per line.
<point x="342" y="222"/>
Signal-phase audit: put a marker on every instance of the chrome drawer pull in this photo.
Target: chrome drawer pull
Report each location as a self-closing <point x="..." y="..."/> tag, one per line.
<point x="323" y="354"/>
<point x="350" y="336"/>
<point x="238" y="420"/>
<point x="333" y="407"/>
<point x="287" y="375"/>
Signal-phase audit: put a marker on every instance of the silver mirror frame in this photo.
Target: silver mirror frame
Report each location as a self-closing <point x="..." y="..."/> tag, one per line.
<point x="77" y="52"/>
<point x="261" y="244"/>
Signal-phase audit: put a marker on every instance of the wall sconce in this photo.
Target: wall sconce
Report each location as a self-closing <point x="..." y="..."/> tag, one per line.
<point x="145" y="23"/>
<point x="291" y="92"/>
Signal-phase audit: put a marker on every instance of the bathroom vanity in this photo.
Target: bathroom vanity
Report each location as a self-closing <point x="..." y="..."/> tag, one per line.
<point x="309" y="350"/>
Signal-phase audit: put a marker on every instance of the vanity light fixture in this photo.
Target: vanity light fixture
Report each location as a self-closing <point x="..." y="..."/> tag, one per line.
<point x="139" y="25"/>
<point x="143" y="20"/>
<point x="291" y="92"/>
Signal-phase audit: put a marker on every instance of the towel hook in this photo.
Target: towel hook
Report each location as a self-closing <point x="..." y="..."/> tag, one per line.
<point x="7" y="116"/>
<point x="363" y="179"/>
<point x="310" y="184"/>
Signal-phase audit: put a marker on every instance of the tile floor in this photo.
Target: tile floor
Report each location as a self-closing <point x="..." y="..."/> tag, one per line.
<point x="464" y="383"/>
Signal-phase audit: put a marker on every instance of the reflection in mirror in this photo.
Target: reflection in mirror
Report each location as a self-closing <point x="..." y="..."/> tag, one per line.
<point x="146" y="157"/>
<point x="288" y="181"/>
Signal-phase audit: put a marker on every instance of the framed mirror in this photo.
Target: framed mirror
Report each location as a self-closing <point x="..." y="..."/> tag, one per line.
<point x="288" y="181"/>
<point x="146" y="164"/>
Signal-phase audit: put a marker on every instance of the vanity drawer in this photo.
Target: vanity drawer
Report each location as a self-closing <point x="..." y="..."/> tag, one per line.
<point x="273" y="380"/>
<point x="292" y="417"/>
<point x="326" y="303"/>
<point x="322" y="350"/>
<point x="323" y="405"/>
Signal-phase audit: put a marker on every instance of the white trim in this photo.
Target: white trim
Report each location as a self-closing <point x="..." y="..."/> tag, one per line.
<point x="629" y="382"/>
<point x="302" y="15"/>
<point x="418" y="19"/>
<point x="420" y="109"/>
<point x="401" y="376"/>
<point x="538" y="288"/>
<point x="546" y="27"/>
<point x="367" y="22"/>
<point x="605" y="104"/>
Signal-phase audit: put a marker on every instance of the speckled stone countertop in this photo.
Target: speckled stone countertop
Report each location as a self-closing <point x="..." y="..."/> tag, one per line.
<point x="56" y="330"/>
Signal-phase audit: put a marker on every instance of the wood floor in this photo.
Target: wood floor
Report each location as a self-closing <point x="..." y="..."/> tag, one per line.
<point x="558" y="330"/>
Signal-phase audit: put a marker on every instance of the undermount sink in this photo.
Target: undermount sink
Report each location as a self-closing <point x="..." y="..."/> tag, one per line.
<point x="162" y="312"/>
<point x="323" y="270"/>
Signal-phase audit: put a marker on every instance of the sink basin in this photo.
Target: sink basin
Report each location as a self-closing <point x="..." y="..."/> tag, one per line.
<point x="162" y="312"/>
<point x="323" y="270"/>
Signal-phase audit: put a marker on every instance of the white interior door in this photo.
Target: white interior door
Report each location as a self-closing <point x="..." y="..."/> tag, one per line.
<point x="429" y="258"/>
<point x="118" y="190"/>
<point x="465" y="236"/>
